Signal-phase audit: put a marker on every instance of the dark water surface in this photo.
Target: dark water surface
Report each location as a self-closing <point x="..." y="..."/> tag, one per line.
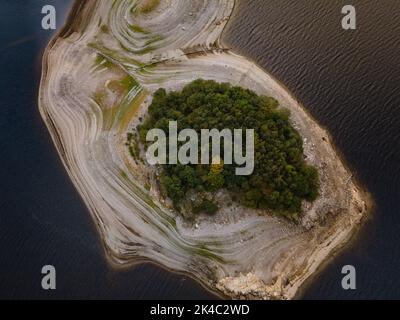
<point x="348" y="80"/>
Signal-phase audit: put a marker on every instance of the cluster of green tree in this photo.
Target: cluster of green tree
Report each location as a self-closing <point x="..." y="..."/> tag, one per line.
<point x="206" y="206"/>
<point x="281" y="179"/>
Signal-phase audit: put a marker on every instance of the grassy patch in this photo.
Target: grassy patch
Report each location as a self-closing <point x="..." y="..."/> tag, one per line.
<point x="146" y="50"/>
<point x="114" y="55"/>
<point x="138" y="29"/>
<point x="133" y="146"/>
<point x="128" y="111"/>
<point x="128" y="83"/>
<point x="102" y="62"/>
<point x="123" y="174"/>
<point x="148" y="6"/>
<point x="171" y="221"/>
<point x="104" y="28"/>
<point x="154" y="39"/>
<point x="109" y="115"/>
<point x="201" y="250"/>
<point x="99" y="97"/>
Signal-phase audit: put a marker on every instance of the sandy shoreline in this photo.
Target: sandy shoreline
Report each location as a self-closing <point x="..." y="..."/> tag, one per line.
<point x="273" y="257"/>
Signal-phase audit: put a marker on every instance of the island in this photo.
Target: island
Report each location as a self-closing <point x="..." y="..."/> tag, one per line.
<point x="100" y="75"/>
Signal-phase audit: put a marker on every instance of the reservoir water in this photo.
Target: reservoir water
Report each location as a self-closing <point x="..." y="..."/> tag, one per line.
<point x="347" y="79"/>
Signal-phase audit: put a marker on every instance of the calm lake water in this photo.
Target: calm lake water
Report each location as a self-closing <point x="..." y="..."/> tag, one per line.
<point x="348" y="80"/>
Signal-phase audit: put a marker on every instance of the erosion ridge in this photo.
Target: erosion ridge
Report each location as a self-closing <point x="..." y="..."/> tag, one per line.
<point x="97" y="80"/>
